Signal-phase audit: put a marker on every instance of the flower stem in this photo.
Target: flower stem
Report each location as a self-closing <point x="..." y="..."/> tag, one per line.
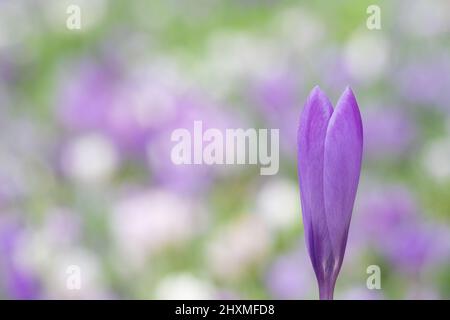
<point x="326" y="290"/>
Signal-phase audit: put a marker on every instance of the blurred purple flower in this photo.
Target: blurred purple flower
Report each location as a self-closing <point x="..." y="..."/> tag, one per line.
<point x="388" y="133"/>
<point x="288" y="278"/>
<point x="414" y="248"/>
<point x="138" y="114"/>
<point x="426" y="82"/>
<point x="329" y="164"/>
<point x="277" y="96"/>
<point x="19" y="283"/>
<point x="9" y="68"/>
<point x="87" y="96"/>
<point x="383" y="213"/>
<point x="185" y="178"/>
<point x="127" y="109"/>
<point x="224" y="294"/>
<point x="392" y="224"/>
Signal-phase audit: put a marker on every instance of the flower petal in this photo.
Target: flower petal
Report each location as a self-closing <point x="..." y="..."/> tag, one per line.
<point x="311" y="145"/>
<point x="342" y="166"/>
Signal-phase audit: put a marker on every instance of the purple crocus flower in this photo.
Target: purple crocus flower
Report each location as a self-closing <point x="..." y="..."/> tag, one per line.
<point x="329" y="163"/>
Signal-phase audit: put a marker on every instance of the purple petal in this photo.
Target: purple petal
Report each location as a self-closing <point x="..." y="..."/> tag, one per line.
<point x="342" y="166"/>
<point x="311" y="146"/>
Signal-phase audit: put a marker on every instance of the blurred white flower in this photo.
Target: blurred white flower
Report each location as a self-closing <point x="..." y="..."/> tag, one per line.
<point x="90" y="159"/>
<point x="233" y="57"/>
<point x="144" y="103"/>
<point x="424" y="19"/>
<point x="279" y="205"/>
<point x="163" y="70"/>
<point x="51" y="259"/>
<point x="150" y="221"/>
<point x="436" y="159"/>
<point x="238" y="54"/>
<point x="58" y="275"/>
<point x="367" y="55"/>
<point x="16" y="23"/>
<point x="299" y="29"/>
<point x="184" y="286"/>
<point x="238" y="247"/>
<point x="62" y="226"/>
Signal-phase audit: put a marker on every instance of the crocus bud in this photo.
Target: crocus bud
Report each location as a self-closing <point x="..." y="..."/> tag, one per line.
<point x="330" y="144"/>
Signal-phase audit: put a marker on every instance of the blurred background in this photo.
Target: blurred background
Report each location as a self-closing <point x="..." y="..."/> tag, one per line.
<point x="87" y="188"/>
